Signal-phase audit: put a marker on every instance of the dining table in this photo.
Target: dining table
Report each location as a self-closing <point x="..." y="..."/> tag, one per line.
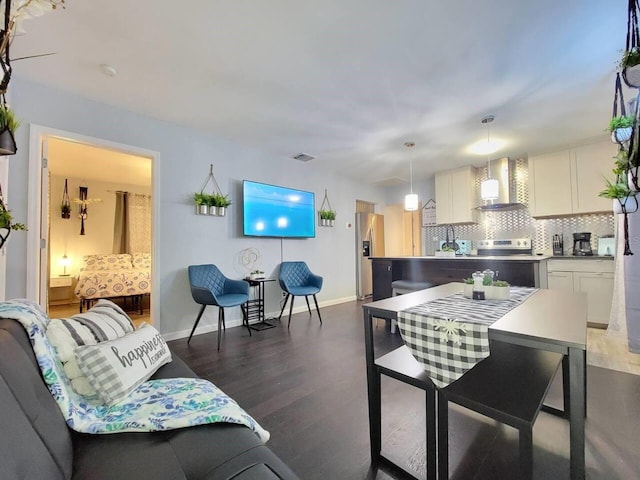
<point x="551" y="320"/>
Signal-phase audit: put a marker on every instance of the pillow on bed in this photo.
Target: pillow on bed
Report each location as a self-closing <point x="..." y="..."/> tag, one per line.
<point x="109" y="261"/>
<point x="105" y="321"/>
<point x="116" y="367"/>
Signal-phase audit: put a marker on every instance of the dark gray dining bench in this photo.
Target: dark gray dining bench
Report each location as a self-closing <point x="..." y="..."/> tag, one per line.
<point x="509" y="386"/>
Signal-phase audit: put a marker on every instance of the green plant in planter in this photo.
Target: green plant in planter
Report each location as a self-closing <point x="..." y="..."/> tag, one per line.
<point x="201" y="198"/>
<point x="500" y="283"/>
<point x="327" y="215"/>
<point x="220" y="200"/>
<point x="621" y="164"/>
<point x="630" y="58"/>
<point x="615" y="190"/>
<point x="487" y="281"/>
<point x="65" y="210"/>
<point x="624" y="121"/>
<point x="6" y="220"/>
<point x="8" y="119"/>
<point x="468" y="281"/>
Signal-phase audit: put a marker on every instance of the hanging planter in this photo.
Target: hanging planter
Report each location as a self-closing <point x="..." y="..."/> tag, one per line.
<point x="621" y="135"/>
<point x="8" y="125"/>
<point x="214" y="204"/>
<point x="630" y="62"/>
<point x="65" y="205"/>
<point x="620" y="126"/>
<point x="625" y="205"/>
<point x="327" y="216"/>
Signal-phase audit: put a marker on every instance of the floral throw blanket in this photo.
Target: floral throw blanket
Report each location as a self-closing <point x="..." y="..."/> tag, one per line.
<point x="163" y="404"/>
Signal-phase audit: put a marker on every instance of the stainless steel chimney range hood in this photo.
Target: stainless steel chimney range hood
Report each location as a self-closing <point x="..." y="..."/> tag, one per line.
<point x="503" y="170"/>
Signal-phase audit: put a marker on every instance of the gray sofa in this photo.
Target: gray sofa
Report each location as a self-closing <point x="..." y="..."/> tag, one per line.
<point x="35" y="442"/>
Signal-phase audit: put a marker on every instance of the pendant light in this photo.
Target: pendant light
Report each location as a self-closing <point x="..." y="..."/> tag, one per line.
<point x="489" y="188"/>
<point x="411" y="199"/>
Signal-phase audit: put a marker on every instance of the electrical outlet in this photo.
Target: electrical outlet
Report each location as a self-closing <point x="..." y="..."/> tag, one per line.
<point x="283" y="294"/>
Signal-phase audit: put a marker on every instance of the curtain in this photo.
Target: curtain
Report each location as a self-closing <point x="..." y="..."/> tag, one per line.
<point x="121" y="229"/>
<point x="132" y="228"/>
<point x="139" y="217"/>
<point x="618" y="318"/>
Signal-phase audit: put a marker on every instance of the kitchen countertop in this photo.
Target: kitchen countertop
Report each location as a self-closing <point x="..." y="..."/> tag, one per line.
<point x="521" y="258"/>
<point x="580" y="257"/>
<point x="514" y="258"/>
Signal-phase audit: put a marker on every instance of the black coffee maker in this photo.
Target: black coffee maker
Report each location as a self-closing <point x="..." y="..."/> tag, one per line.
<point x="582" y="244"/>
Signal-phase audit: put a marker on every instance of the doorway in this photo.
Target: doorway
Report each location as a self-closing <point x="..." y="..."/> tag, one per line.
<point x="96" y="175"/>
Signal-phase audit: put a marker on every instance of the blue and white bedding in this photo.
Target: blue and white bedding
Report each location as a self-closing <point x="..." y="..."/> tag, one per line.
<point x="163" y="404"/>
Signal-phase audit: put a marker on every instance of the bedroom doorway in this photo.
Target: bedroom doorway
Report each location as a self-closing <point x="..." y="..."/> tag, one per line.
<point x="97" y="223"/>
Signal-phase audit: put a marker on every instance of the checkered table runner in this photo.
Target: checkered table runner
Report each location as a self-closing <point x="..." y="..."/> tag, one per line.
<point x="448" y="336"/>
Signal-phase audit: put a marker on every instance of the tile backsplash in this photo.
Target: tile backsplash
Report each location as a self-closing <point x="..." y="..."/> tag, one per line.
<point x="518" y="223"/>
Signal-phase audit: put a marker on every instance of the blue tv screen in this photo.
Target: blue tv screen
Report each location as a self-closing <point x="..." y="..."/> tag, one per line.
<point x="272" y="211"/>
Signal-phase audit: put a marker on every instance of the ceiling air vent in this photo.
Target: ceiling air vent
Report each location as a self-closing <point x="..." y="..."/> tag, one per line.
<point x="303" y="157"/>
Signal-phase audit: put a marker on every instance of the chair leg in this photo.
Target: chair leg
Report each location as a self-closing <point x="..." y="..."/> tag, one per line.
<point x="283" y="305"/>
<point x="220" y="324"/>
<point x="291" y="309"/>
<point x="196" y="323"/>
<point x="306" y="297"/>
<point x="317" y="309"/>
<point x="443" y="437"/>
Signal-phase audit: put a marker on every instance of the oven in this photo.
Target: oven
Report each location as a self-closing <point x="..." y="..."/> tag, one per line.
<point x="505" y="247"/>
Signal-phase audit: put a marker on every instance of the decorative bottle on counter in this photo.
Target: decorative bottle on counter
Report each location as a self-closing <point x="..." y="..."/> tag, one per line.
<point x="478" y="288"/>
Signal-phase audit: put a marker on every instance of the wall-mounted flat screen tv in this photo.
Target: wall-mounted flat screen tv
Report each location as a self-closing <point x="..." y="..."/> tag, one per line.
<point x="272" y="211"/>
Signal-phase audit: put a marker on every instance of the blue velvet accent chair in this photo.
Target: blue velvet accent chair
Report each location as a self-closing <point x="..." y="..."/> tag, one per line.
<point x="296" y="279"/>
<point x="210" y="287"/>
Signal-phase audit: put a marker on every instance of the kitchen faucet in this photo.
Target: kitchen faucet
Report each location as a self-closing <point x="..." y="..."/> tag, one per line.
<point x="451" y="244"/>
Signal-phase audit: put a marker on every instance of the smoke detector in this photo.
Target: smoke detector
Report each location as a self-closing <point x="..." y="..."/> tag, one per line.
<point x="303" y="157"/>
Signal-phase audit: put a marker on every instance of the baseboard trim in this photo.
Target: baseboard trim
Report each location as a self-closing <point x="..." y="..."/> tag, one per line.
<point x="237" y="322"/>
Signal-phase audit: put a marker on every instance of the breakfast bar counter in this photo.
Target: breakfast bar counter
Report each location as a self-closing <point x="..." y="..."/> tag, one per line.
<point x="520" y="270"/>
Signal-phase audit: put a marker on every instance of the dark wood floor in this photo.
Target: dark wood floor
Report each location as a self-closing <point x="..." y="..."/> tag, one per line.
<point x="307" y="386"/>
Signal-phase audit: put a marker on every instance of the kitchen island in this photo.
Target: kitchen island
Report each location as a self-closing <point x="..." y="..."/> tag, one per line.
<point x="520" y="270"/>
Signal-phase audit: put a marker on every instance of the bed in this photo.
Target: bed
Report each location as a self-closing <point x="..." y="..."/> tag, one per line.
<point x="114" y="275"/>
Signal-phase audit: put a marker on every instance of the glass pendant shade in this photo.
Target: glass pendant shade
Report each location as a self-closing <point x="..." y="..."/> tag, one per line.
<point x="489" y="189"/>
<point x="411" y="202"/>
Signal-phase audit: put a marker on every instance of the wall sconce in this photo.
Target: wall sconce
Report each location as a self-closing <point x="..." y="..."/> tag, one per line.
<point x="65" y="262"/>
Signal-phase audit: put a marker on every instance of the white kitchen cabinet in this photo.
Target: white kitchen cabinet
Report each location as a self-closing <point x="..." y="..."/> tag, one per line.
<point x="594" y="277"/>
<point x="560" y="281"/>
<point x="568" y="182"/>
<point x="591" y="164"/>
<point x="599" y="290"/>
<point x="456" y="196"/>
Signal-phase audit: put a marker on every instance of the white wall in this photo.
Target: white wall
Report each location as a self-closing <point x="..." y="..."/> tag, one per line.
<point x="185" y="238"/>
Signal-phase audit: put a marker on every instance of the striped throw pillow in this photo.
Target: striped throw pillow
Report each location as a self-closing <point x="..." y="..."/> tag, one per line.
<point x="105" y="321"/>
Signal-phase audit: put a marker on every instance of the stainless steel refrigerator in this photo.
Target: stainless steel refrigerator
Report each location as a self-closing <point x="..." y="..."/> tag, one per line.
<point x="369" y="243"/>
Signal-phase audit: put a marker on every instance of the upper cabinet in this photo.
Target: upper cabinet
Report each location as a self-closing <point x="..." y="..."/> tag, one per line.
<point x="568" y="182"/>
<point x="456" y="196"/>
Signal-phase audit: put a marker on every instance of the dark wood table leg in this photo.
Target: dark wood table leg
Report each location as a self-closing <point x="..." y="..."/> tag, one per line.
<point x="577" y="412"/>
<point x="373" y="391"/>
<point x="431" y="427"/>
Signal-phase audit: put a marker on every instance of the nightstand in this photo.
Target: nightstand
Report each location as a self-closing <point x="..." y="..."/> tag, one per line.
<point x="61" y="290"/>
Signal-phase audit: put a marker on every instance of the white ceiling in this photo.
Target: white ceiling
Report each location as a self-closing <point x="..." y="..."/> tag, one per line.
<point x="77" y="160"/>
<point x="346" y="81"/>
